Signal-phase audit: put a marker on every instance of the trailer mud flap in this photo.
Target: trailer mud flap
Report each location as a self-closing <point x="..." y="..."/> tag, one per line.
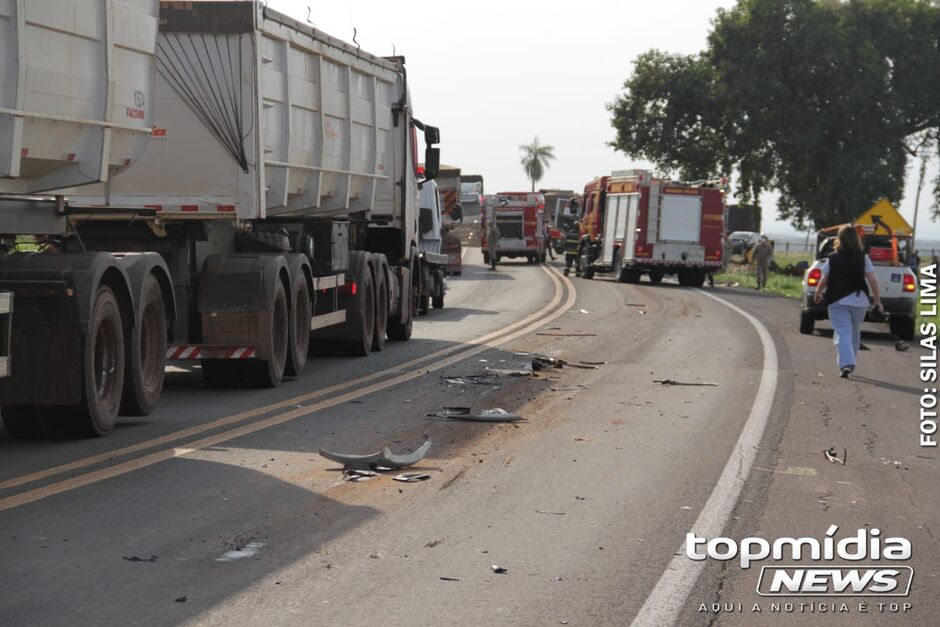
<point x="236" y="297"/>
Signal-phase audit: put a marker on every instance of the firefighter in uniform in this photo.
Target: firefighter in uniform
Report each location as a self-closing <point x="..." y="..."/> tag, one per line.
<point x="573" y="249"/>
<point x="492" y="242"/>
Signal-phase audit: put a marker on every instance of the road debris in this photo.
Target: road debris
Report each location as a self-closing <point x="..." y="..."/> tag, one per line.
<point x="487" y="415"/>
<point x="181" y="599"/>
<point x="584" y="311"/>
<point x="634" y="305"/>
<point x="539" y="511"/>
<point x="137" y="558"/>
<point x="357" y="475"/>
<point x="385" y="458"/>
<point x="411" y="477"/>
<point x="433" y="543"/>
<point x="592" y="363"/>
<point x="499" y="570"/>
<point x="833" y="457"/>
<point x="901" y="346"/>
<point x="450" y="411"/>
<point x="695" y="383"/>
<point x="449" y="579"/>
<point x="570" y="388"/>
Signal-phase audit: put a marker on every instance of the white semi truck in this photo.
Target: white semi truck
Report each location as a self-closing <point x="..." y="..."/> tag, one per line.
<point x="209" y="181"/>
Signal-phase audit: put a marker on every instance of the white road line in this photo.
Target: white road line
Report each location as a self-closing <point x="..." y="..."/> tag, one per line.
<point x="664" y="603"/>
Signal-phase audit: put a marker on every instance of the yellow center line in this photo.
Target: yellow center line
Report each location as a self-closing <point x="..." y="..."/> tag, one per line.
<point x="451" y="356"/>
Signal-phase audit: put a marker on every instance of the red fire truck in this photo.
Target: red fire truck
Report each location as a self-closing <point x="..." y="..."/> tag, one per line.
<point x="520" y="218"/>
<point x="635" y="223"/>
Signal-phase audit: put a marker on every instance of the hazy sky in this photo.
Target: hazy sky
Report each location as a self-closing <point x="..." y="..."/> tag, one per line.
<point x="493" y="75"/>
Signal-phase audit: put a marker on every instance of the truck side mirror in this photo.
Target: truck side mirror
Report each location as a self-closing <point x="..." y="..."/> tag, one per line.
<point x="432" y="135"/>
<point x="432" y="162"/>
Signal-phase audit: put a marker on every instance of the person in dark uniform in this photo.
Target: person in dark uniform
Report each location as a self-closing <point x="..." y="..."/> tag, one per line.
<point x="573" y="248"/>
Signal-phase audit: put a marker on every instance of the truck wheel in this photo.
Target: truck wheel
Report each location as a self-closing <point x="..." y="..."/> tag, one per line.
<point x="270" y="372"/>
<point x="381" y="303"/>
<point x="23" y="421"/>
<point x="656" y="275"/>
<point x="362" y="308"/>
<point x="438" y="301"/>
<point x="902" y="327"/>
<point x="807" y="323"/>
<point x="299" y="337"/>
<point x="146" y="353"/>
<point x="397" y="330"/>
<point x="103" y="372"/>
<point x="698" y="278"/>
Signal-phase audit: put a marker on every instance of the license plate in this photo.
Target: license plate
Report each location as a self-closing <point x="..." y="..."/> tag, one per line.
<point x="895" y="278"/>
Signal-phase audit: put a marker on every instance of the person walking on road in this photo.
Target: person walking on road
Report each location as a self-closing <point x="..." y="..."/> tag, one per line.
<point x="492" y="242"/>
<point x="573" y="248"/>
<point x="763" y="251"/>
<point x="845" y="292"/>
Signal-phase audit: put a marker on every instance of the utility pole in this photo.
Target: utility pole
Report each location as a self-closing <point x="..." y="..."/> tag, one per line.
<point x="920" y="186"/>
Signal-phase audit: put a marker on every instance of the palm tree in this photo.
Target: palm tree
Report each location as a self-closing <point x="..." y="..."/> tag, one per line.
<point x="535" y="159"/>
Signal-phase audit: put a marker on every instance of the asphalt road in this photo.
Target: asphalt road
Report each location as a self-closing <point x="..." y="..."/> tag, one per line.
<point x="585" y="504"/>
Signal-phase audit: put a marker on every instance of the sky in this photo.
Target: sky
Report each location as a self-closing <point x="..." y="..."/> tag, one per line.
<point x="495" y="74"/>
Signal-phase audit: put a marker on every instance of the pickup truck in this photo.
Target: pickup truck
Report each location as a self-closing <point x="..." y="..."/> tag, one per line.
<point x="890" y="256"/>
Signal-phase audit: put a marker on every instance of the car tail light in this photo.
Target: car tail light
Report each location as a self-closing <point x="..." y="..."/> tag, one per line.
<point x="910" y="283"/>
<point x="814" y="276"/>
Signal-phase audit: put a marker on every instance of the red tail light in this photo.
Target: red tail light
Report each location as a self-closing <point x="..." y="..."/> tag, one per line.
<point x="910" y="283"/>
<point x="349" y="289"/>
<point x="814" y="276"/>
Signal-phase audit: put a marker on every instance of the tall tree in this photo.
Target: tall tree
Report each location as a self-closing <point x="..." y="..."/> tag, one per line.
<point x="535" y="160"/>
<point x="824" y="101"/>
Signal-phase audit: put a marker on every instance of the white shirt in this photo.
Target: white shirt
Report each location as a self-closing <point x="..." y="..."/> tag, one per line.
<point x="855" y="299"/>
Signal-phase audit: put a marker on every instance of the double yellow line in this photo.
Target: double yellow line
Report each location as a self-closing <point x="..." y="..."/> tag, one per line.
<point x="358" y="388"/>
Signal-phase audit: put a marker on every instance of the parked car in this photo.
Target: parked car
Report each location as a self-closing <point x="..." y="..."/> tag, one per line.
<point x="890" y="256"/>
<point x="741" y="241"/>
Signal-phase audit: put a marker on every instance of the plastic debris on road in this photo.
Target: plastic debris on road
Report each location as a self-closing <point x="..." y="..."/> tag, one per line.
<point x="499" y="569"/>
<point x="385" y="458"/>
<point x="832" y="456"/>
<point x="137" y="558"/>
<point x="694" y="383"/>
<point x="412" y="477"/>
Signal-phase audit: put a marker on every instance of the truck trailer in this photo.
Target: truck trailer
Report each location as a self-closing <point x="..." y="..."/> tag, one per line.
<point x="635" y="223"/>
<point x="209" y="181"/>
<point x="520" y="218"/>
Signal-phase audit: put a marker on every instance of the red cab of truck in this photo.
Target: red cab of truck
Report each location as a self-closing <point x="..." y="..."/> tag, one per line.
<point x="639" y="224"/>
<point x="520" y="218"/>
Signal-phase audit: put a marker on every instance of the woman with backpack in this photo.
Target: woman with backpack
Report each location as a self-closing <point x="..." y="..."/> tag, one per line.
<point x="844" y="289"/>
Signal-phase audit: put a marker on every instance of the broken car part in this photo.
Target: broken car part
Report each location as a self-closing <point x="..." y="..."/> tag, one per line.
<point x="385" y="457"/>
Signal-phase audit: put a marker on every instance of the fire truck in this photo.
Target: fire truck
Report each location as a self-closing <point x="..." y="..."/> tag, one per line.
<point x="636" y="223"/>
<point x="520" y="218"/>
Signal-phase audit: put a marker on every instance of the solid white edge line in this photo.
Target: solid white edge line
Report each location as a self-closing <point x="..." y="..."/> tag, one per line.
<point x="664" y="603"/>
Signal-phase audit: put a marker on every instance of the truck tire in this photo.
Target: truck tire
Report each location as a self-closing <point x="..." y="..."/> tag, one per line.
<point x="438" y="301"/>
<point x="903" y="328"/>
<point x="381" y="302"/>
<point x="268" y="373"/>
<point x="698" y="278"/>
<point x="399" y="331"/>
<point x="146" y="353"/>
<point x="360" y="312"/>
<point x="103" y="372"/>
<point x="656" y="275"/>
<point x="807" y="323"/>
<point x="298" y="342"/>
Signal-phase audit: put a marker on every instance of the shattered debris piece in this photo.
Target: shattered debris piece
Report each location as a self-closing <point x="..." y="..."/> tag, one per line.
<point x="695" y="383"/>
<point x="355" y="475"/>
<point x="449" y="579"/>
<point x="833" y="457"/>
<point x="539" y="511"/>
<point x="137" y="558"/>
<point x="181" y="599"/>
<point x="592" y="363"/>
<point x="444" y="412"/>
<point x="582" y="366"/>
<point x="411" y="477"/>
<point x="499" y="569"/>
<point x="584" y="311"/>
<point x="385" y="457"/>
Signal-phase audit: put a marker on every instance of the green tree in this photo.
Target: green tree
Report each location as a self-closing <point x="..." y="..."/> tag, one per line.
<point x="535" y="160"/>
<point x="824" y="101"/>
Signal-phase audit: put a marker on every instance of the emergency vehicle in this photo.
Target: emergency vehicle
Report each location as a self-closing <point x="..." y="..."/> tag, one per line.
<point x="520" y="218"/>
<point x="636" y="223"/>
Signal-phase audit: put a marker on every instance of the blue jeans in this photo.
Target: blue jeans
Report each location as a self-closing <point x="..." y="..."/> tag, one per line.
<point x="847" y="324"/>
